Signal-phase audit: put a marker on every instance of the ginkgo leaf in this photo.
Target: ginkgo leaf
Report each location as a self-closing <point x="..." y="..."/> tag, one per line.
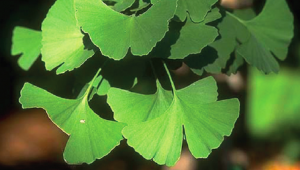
<point x="140" y="33"/>
<point x="196" y="9"/>
<point x="264" y="36"/>
<point x="226" y="44"/>
<point x="28" y="43"/>
<point x="62" y="40"/>
<point x="212" y="15"/>
<point x="152" y="105"/>
<point x="194" y="110"/>
<point x="214" y="58"/>
<point x="91" y="137"/>
<point x="191" y="38"/>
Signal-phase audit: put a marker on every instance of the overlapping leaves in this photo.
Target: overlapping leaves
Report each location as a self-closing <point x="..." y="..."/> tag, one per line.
<point x="156" y="122"/>
<point x="175" y="29"/>
<point x="263" y="37"/>
<point x="189" y="39"/>
<point x="257" y="40"/>
<point x="140" y="33"/>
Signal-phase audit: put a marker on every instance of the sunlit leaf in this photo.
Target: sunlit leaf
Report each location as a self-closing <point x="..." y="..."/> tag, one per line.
<point x="63" y="45"/>
<point x="156" y="123"/>
<point x="26" y="42"/>
<point x="140" y="33"/>
<point x="152" y="105"/>
<point x="91" y="137"/>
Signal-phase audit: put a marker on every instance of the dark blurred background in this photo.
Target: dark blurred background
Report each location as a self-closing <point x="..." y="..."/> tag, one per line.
<point x="266" y="136"/>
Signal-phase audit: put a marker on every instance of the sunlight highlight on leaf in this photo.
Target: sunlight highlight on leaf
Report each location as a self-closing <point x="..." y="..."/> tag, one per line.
<point x="140" y="33"/>
<point x="63" y="45"/>
<point x="156" y="130"/>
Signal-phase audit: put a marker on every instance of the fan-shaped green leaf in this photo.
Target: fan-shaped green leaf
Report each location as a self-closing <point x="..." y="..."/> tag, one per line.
<point x="62" y="41"/>
<point x="194" y="109"/>
<point x="196" y="9"/>
<point x="140" y="33"/>
<point x="28" y="43"/>
<point x="152" y="105"/>
<point x="265" y="36"/>
<point x="91" y="137"/>
<point x="191" y="38"/>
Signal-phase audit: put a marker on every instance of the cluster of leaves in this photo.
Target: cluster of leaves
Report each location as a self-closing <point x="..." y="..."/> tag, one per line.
<point x="198" y="33"/>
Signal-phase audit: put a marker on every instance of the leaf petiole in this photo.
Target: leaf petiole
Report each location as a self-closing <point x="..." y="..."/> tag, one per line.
<point x="170" y="78"/>
<point x="89" y="89"/>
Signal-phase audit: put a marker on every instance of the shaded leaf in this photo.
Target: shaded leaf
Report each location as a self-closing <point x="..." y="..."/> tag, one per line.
<point x="123" y="74"/>
<point x="265" y="36"/>
<point x="193" y="38"/>
<point x="190" y="38"/>
<point x="214" y="58"/>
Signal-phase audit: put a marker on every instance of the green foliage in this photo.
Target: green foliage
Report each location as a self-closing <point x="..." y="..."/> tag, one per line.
<point x="91" y="137"/>
<point x="262" y="36"/>
<point x="199" y="33"/>
<point x="30" y="49"/>
<point x="156" y="122"/>
<point x="62" y="39"/>
<point x="140" y="33"/>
